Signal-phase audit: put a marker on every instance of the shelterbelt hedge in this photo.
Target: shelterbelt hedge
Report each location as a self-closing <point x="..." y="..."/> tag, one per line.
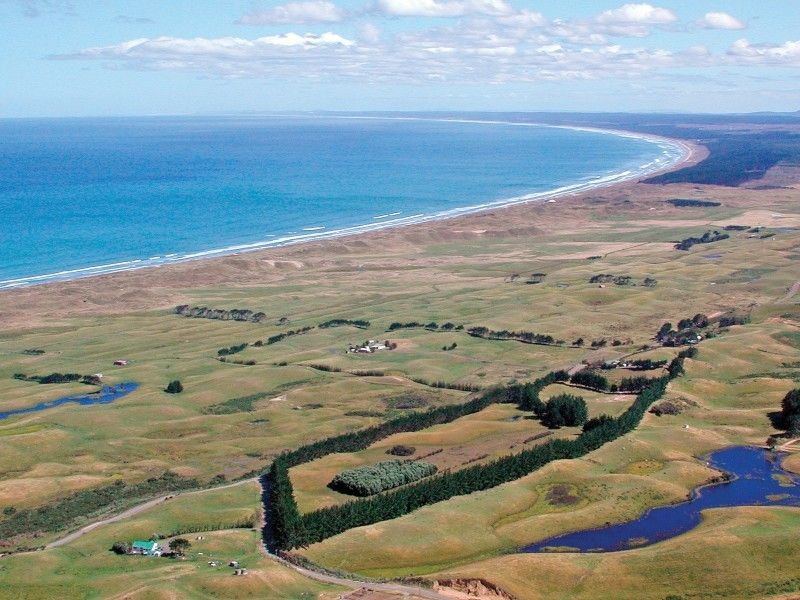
<point x="285" y="528"/>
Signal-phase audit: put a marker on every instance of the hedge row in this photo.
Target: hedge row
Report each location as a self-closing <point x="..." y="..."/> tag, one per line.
<point x="288" y="529"/>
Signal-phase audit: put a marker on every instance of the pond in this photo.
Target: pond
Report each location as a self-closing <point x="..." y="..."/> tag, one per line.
<point x="757" y="479"/>
<point x="104" y="395"/>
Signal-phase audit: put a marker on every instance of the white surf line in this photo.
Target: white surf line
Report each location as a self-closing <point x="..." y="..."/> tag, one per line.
<point x="660" y="163"/>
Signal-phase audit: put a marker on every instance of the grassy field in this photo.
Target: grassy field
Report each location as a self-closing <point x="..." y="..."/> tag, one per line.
<point x="654" y="465"/>
<point x="87" y="568"/>
<point x="470" y="273"/>
<point x="739" y="553"/>
<point x="496" y="431"/>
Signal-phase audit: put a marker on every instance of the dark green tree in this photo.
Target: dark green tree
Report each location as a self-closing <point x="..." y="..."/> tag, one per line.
<point x="174" y="387"/>
<point x="121" y="548"/>
<point x="179" y="546"/>
<point x="595" y="422"/>
<point x="790" y="411"/>
<point x="564" y="410"/>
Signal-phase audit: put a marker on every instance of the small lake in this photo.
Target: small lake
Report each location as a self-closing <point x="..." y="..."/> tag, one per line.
<point x="105" y="395"/>
<point x="757" y="480"/>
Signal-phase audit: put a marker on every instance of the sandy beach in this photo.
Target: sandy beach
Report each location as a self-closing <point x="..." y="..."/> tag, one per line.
<point x="164" y="286"/>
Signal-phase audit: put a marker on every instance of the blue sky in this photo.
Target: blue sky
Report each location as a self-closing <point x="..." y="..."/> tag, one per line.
<point x="107" y="57"/>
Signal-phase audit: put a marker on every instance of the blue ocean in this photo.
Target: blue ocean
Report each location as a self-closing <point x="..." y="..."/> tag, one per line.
<point x="87" y="196"/>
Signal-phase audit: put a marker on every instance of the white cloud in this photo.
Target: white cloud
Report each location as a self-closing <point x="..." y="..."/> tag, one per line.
<point x="515" y="46"/>
<point x="310" y="11"/>
<point x="628" y="20"/>
<point x="443" y="8"/>
<point x="720" y="20"/>
<point x="183" y="51"/>
<point x="640" y="14"/>
<point x="786" y="54"/>
<point x="523" y="18"/>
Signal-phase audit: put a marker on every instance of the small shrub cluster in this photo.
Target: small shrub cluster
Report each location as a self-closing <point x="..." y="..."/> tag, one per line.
<point x="401" y="450"/>
<point x="367" y="372"/>
<point x="452" y="346"/>
<point x="666" y="408"/>
<point x="248" y="363"/>
<point x="232" y="349"/>
<point x="373" y="479"/>
<point x="733" y="319"/>
<point x="688" y="330"/>
<point x="707" y="238"/>
<point x="174" y="387"/>
<point x="622" y="280"/>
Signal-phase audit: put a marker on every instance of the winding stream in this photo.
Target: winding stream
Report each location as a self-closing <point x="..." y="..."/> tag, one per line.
<point x="757" y="479"/>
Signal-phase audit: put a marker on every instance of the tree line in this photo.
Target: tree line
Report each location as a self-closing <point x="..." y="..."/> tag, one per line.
<point x="526" y="337"/>
<point x="287" y="529"/>
<point x="592" y="380"/>
<point x="359" y="323"/>
<point x="432" y="326"/>
<point x="59" y="378"/>
<point x="234" y="314"/>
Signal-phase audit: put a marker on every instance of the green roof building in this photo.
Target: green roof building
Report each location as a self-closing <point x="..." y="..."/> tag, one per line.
<point x="145" y="547"/>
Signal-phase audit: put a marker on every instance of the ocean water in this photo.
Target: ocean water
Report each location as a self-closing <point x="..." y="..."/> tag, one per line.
<point x="87" y="196"/>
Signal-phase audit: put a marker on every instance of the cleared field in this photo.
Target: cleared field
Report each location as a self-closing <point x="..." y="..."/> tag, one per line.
<point x="498" y="430"/>
<point x="87" y="568"/>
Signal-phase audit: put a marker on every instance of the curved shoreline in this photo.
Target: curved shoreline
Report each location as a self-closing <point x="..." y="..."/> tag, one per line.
<point x="686" y="153"/>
